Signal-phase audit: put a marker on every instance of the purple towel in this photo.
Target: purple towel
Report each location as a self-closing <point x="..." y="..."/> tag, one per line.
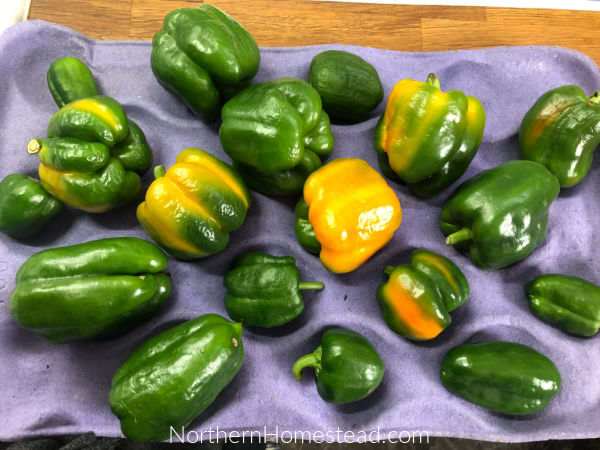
<point x="47" y="388"/>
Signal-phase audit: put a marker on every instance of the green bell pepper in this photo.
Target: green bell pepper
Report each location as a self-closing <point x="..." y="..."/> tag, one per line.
<point x="501" y="214"/>
<point x="561" y="131"/>
<point x="264" y="290"/>
<point x="305" y="233"/>
<point x="276" y="133"/>
<point x="25" y="207"/>
<point x="203" y="57"/>
<point x="69" y="79"/>
<point x="91" y="290"/>
<point x="417" y="298"/>
<point x="505" y="377"/>
<point x="347" y="367"/>
<point x="569" y="303"/>
<point x="175" y="375"/>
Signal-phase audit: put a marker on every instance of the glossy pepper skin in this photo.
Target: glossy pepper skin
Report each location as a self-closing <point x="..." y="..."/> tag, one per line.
<point x="505" y="377"/>
<point x="305" y="233"/>
<point x="353" y="213"/>
<point x="277" y="134"/>
<point x="347" y="367"/>
<point x="175" y="375"/>
<point x="561" y="131"/>
<point x="190" y="209"/>
<point x="69" y="79"/>
<point x="427" y="138"/>
<point x="264" y="290"/>
<point x="25" y="207"/>
<point x="418" y="297"/>
<point x="91" y="290"/>
<point x="500" y="215"/>
<point x="203" y="56"/>
<point x="569" y="303"/>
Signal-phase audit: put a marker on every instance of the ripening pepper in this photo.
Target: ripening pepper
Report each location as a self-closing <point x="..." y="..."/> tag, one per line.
<point x="505" y="377"/>
<point x="69" y="79"/>
<point x="347" y="367"/>
<point x="174" y="376"/>
<point x="203" y="56"/>
<point x="25" y="207"/>
<point x="500" y="215"/>
<point x="352" y="211"/>
<point x="569" y="303"/>
<point x="427" y="138"/>
<point x="561" y="131"/>
<point x="190" y="209"/>
<point x="264" y="290"/>
<point x="418" y="297"/>
<point x="277" y="134"/>
<point x="91" y="290"/>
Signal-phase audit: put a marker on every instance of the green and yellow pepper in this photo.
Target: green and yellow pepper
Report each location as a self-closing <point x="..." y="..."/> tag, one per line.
<point x="203" y="56"/>
<point x="174" y="376"/>
<point x="90" y="290"/>
<point x="418" y="297"/>
<point x="561" y="131"/>
<point x="190" y="209"/>
<point x="277" y="134"/>
<point x="427" y="138"/>
<point x="500" y="215"/>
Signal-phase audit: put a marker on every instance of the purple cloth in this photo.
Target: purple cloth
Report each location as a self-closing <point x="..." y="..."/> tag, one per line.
<point x="51" y="389"/>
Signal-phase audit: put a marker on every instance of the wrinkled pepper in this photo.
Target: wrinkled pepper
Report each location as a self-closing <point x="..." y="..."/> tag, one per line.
<point x="500" y="215"/>
<point x="203" y="56"/>
<point x="91" y="290"/>
<point x="25" y="207"/>
<point x="347" y="367"/>
<point x="505" y="377"/>
<point x="418" y="297"/>
<point x="69" y="79"/>
<point x="561" y="131"/>
<point x="190" y="209"/>
<point x="174" y="376"/>
<point x="277" y="134"/>
<point x="264" y="290"/>
<point x="569" y="303"/>
<point x="352" y="211"/>
<point x="427" y="138"/>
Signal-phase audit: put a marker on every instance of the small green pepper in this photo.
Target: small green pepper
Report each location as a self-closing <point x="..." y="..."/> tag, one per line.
<point x="69" y="79"/>
<point x="264" y="290"/>
<point x="347" y="367"/>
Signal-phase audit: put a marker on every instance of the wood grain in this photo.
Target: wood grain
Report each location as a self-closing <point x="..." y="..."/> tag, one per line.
<point x="302" y="22"/>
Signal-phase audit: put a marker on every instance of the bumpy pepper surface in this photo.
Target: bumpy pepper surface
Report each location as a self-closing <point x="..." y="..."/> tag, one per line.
<point x="500" y="215"/>
<point x="264" y="290"/>
<point x="569" y="303"/>
<point x="69" y="79"/>
<point x="175" y="375"/>
<point x="277" y="134"/>
<point x="418" y="297"/>
<point x="352" y="211"/>
<point x="190" y="209"/>
<point x="505" y="377"/>
<point x="25" y="207"/>
<point x="561" y="131"/>
<point x="90" y="290"/>
<point x="203" y="56"/>
<point x="347" y="367"/>
<point x="427" y="138"/>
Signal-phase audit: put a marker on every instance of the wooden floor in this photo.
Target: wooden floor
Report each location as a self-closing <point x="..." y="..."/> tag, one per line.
<point x="302" y="22"/>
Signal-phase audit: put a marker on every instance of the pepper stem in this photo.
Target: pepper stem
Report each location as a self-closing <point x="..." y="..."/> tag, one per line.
<point x="388" y="270"/>
<point x="464" y="234"/>
<point x="433" y="80"/>
<point x="34" y="146"/>
<point x="310" y="286"/>
<point x="159" y="171"/>
<point x="310" y="360"/>
<point x="595" y="97"/>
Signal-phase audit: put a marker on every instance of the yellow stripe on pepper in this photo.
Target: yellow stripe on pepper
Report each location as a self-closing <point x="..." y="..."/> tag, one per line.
<point x="96" y="108"/>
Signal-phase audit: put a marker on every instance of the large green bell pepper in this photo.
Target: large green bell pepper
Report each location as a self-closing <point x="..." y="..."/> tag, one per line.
<point x="264" y="290"/>
<point x="569" y="303"/>
<point x="175" y="375"/>
<point x="203" y="56"/>
<point x="69" y="79"/>
<point x="277" y="134"/>
<point x="347" y="367"/>
<point x="25" y="207"/>
<point x="90" y="290"/>
<point x="505" y="377"/>
<point x="501" y="214"/>
<point x="561" y="131"/>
